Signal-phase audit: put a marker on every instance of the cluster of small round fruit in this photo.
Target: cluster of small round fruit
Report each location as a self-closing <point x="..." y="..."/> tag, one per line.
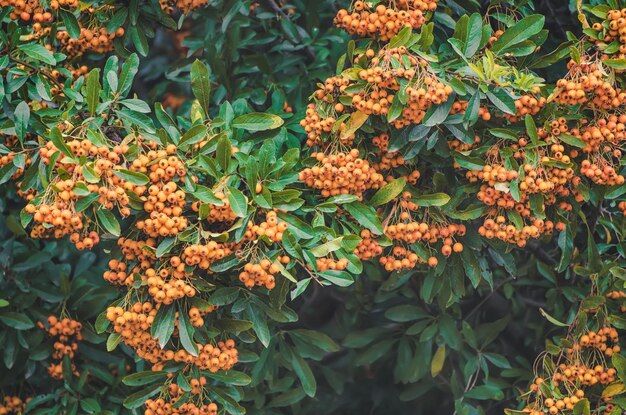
<point x="171" y="405"/>
<point x="368" y="248"/>
<point x="553" y="405"/>
<point x="588" y="376"/>
<point x="578" y="372"/>
<point x="271" y="228"/>
<point x="160" y="406"/>
<point x="220" y="214"/>
<point x="460" y="107"/>
<point x="608" y="130"/>
<point x="527" y="104"/>
<point x="260" y="273"/>
<point x="399" y="258"/>
<point x="501" y="228"/>
<point x="67" y="334"/>
<point x="408" y="231"/>
<point x="140" y="251"/>
<point x="384" y="20"/>
<point x="613" y="28"/>
<point x="601" y="171"/>
<point x="165" y="205"/>
<point x="95" y="40"/>
<point x="203" y="255"/>
<point x="134" y="327"/>
<point x="55" y="211"/>
<point x="196" y="315"/>
<point x="185" y="6"/>
<point x="25" y="10"/>
<point x="169" y="284"/>
<point x="341" y="173"/>
<point x="605" y="340"/>
<point x="13" y="405"/>
<point x="387" y="160"/>
<point x="317" y="126"/>
<point x="585" y="84"/>
<point x="332" y="264"/>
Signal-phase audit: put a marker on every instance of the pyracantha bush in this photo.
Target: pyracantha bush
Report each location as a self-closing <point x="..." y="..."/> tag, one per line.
<point x="221" y="207"/>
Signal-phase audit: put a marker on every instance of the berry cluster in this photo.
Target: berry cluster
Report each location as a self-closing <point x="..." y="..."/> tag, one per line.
<point x="260" y="274"/>
<point x="134" y="327"/>
<point x="527" y="104"/>
<point x="341" y="173"/>
<point x="160" y="406"/>
<point x="368" y="248"/>
<point x="586" y="84"/>
<point x="67" y="334"/>
<point x="270" y="228"/>
<point x="184" y="6"/>
<point x="96" y="40"/>
<point x="605" y="340"/>
<point x="384" y="20"/>
<point x="580" y="372"/>
<point x="501" y="228"/>
<point x="13" y="405"/>
<point x="460" y="107"/>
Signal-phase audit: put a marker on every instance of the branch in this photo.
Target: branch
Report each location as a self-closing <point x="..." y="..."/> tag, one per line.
<point x="38" y="70"/>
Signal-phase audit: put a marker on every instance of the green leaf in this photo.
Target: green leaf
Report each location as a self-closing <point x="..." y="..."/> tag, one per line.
<point x="22" y="119"/>
<point x="186" y="332"/>
<point x="57" y="139"/>
<point x="132" y="176"/>
<point x="144" y="378"/>
<point x="93" y="90"/>
<point x="257" y="121"/>
<point x="38" y="52"/>
<point x="572" y="141"/>
<point x="71" y="23"/>
<point x="231" y="377"/>
<point x="473" y="35"/>
<point x="113" y="341"/>
<point x="326" y="248"/>
<point x="238" y="202"/>
<point x="16" y="320"/>
<point x="163" y="325"/>
<point x="84" y="202"/>
<point x="366" y="216"/>
<point x="582" y="407"/>
<point x="388" y="192"/>
<point x="619" y="64"/>
<point x="165" y="246"/>
<point x="502" y="100"/>
<point x="619" y="362"/>
<point x="401" y="38"/>
<point x="136" y="105"/>
<point x="129" y="70"/>
<point x="194" y="135"/>
<point x="521" y="31"/>
<point x="139" y="398"/>
<point x="552" y="319"/>
<point x="201" y="84"/>
<point x="223" y="152"/>
<point x="304" y="373"/>
<point x="109" y="222"/>
<point x="433" y="199"/>
<point x="531" y="129"/>
<point x="317" y="338"/>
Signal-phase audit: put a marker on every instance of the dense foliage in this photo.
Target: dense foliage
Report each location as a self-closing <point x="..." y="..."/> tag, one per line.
<point x="255" y="207"/>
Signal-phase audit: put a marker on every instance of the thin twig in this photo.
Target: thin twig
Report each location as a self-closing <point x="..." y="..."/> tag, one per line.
<point x="38" y="70"/>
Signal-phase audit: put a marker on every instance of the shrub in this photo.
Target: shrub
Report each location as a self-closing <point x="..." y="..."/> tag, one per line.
<point x="186" y="232"/>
